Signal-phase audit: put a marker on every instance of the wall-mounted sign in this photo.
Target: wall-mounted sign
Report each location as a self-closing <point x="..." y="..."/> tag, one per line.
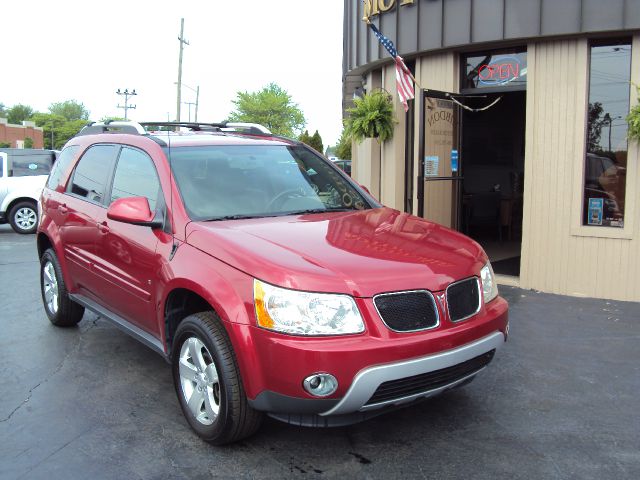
<point x="504" y="70"/>
<point x="376" y="7"/>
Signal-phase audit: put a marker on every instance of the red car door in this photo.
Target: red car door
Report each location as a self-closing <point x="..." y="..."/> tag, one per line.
<point x="126" y="258"/>
<point x="77" y="211"/>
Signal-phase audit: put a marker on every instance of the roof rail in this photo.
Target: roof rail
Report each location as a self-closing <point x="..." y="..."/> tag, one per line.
<point x="112" y="127"/>
<point x="136" y="128"/>
<point x="247" y="127"/>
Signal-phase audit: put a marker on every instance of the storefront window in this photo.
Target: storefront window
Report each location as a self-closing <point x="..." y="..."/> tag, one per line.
<point x="506" y="70"/>
<point x="606" y="159"/>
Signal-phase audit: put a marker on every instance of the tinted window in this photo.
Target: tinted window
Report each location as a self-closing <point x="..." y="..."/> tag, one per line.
<point x="61" y="166"/>
<point x="605" y="170"/>
<point x="135" y="177"/>
<point x="31" y="165"/>
<point x="92" y="173"/>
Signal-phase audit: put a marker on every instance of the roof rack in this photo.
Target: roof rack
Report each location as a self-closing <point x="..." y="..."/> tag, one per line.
<point x="112" y="127"/>
<point x="136" y="128"/>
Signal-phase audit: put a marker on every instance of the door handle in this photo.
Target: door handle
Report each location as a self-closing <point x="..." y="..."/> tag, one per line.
<point x="63" y="208"/>
<point x="103" y="227"/>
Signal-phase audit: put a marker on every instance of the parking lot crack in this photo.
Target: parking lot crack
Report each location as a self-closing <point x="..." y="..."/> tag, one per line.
<point x="73" y="351"/>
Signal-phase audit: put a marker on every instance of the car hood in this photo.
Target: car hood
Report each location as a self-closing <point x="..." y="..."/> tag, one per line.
<point x="361" y="253"/>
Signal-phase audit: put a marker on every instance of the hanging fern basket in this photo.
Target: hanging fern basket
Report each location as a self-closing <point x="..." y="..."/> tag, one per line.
<point x="371" y="117"/>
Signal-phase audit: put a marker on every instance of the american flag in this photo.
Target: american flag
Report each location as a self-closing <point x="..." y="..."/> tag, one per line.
<point x="404" y="81"/>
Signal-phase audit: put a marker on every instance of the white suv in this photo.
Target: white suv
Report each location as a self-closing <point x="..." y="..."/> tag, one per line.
<point x="23" y="173"/>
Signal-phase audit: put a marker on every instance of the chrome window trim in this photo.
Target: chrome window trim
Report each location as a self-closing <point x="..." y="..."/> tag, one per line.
<point x="446" y="297"/>
<point x="433" y="300"/>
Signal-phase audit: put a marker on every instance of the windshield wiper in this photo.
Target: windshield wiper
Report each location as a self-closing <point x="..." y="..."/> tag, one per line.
<point x="232" y="217"/>
<point x="318" y="210"/>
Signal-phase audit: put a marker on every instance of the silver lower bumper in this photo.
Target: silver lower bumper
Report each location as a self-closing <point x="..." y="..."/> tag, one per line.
<point x="368" y="380"/>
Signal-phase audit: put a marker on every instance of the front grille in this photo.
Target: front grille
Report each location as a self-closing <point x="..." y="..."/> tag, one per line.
<point x="407" y="311"/>
<point x="463" y="299"/>
<point x="405" y="387"/>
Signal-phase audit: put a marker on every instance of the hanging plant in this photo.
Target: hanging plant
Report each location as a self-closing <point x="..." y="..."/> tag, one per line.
<point x="633" y="119"/>
<point x="371" y="117"/>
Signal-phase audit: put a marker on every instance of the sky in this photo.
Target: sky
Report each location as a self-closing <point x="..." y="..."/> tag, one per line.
<point x="66" y="49"/>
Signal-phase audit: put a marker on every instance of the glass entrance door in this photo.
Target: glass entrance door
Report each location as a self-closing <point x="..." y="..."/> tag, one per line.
<point x="439" y="179"/>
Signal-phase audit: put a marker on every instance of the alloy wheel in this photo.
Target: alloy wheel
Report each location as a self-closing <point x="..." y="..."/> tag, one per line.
<point x="50" y="287"/>
<point x="26" y="218"/>
<point x="199" y="381"/>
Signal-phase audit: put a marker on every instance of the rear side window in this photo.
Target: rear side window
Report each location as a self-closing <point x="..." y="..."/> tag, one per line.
<point x="135" y="177"/>
<point x="32" y="165"/>
<point x="93" y="171"/>
<point x="61" y="166"/>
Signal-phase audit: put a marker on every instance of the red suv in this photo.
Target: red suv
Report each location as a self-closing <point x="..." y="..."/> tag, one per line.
<point x="269" y="280"/>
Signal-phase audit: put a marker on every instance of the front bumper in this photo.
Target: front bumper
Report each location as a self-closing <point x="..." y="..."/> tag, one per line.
<point x="367" y="381"/>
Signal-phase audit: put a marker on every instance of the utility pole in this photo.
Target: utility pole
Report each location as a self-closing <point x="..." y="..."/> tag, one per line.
<point x="126" y="106"/>
<point x="183" y="42"/>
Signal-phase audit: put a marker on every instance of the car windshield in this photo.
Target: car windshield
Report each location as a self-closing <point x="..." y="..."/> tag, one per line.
<point x="239" y="181"/>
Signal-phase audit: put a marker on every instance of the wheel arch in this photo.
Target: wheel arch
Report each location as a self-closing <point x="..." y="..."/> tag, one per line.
<point x="17" y="200"/>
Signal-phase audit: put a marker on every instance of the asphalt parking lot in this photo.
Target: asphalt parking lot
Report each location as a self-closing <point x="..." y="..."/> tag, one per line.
<point x="561" y="401"/>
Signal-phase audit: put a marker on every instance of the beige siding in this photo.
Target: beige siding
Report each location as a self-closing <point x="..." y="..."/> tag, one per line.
<point x="558" y="254"/>
<point x="392" y="158"/>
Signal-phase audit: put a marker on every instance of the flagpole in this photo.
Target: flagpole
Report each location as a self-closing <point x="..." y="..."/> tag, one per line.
<point x="368" y="22"/>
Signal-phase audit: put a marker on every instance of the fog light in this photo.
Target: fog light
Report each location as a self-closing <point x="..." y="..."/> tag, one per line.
<point x="320" y="384"/>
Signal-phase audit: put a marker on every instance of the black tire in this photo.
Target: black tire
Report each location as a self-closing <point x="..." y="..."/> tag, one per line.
<point x="23" y="217"/>
<point x="61" y="310"/>
<point x="235" y="419"/>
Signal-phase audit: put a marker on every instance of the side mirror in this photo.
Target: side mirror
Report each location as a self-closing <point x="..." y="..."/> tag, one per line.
<point x="365" y="189"/>
<point x="133" y="210"/>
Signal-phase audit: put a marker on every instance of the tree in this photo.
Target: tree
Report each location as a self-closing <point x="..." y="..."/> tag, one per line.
<point x="19" y="113"/>
<point x="70" y="109"/>
<point x="28" y="142"/>
<point x="3" y="111"/>
<point x="316" y="142"/>
<point x="305" y="138"/>
<point x="272" y="107"/>
<point x="595" y="122"/>
<point x="61" y="128"/>
<point x="343" y="148"/>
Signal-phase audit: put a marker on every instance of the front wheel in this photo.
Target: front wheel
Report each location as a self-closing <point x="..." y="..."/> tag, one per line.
<point x="207" y="381"/>
<point x="23" y="217"/>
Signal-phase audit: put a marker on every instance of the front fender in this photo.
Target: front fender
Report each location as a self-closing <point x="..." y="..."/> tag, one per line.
<point x="227" y="290"/>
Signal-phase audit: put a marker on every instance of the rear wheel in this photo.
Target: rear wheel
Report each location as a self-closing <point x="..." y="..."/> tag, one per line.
<point x="23" y="217"/>
<point x="61" y="310"/>
<point x="207" y="381"/>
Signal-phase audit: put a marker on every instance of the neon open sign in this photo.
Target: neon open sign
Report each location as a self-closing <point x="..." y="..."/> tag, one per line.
<point x="499" y="72"/>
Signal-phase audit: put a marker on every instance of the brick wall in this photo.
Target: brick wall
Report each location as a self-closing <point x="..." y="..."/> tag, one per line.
<point x="12" y="133"/>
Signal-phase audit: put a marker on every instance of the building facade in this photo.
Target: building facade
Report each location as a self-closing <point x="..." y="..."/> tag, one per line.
<point x="517" y="136"/>
<point x="15" y="135"/>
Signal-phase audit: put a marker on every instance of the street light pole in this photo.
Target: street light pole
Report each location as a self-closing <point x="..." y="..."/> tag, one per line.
<point x="197" y="99"/>
<point x="183" y="42"/>
<point x="197" y="92"/>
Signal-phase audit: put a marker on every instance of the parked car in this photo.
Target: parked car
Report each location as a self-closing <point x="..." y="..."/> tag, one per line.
<point x="272" y="282"/>
<point x="23" y="173"/>
<point x="344" y="165"/>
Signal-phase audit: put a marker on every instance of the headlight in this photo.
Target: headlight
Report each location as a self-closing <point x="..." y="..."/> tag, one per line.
<point x="489" y="286"/>
<point x="304" y="313"/>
